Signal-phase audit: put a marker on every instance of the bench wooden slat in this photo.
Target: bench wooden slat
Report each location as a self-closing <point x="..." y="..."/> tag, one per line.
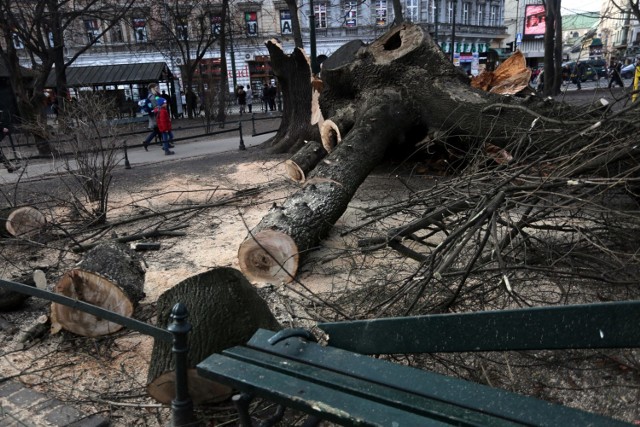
<point x="365" y="389"/>
<point x="605" y="325"/>
<point x="302" y="374"/>
<point x="325" y="402"/>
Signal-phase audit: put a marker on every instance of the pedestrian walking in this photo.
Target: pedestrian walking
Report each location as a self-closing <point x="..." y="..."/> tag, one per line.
<point x="242" y="98"/>
<point x="578" y="71"/>
<point x="150" y="107"/>
<point x="265" y="96"/>
<point x="249" y="93"/>
<point x="615" y="68"/>
<point x="273" y="91"/>
<point x="164" y="126"/>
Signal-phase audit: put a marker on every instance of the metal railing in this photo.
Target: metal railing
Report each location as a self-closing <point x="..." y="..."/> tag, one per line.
<point x="176" y="334"/>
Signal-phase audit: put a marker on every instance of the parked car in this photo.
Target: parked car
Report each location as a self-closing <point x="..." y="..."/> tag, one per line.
<point x="599" y="65"/>
<point x="628" y="71"/>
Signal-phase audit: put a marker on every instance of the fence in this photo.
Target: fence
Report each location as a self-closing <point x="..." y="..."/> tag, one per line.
<point x="24" y="146"/>
<point x="176" y="334"/>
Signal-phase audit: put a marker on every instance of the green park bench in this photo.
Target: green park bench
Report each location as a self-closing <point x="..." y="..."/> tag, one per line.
<point x="340" y="383"/>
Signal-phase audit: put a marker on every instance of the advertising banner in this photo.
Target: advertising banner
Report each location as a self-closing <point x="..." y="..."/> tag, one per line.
<point x="534" y="22"/>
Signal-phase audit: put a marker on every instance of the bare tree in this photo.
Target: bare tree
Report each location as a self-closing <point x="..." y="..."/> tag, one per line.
<point x="44" y="29"/>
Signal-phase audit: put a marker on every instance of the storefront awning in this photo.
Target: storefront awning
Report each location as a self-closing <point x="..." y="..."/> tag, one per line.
<point x="101" y="75"/>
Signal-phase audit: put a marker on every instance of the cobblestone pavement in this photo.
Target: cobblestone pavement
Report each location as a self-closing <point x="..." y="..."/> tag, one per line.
<point x="23" y="407"/>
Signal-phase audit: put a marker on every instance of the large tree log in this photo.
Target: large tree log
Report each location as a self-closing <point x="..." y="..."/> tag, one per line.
<point x="400" y="89"/>
<point x="22" y="221"/>
<point x="110" y="276"/>
<point x="271" y="252"/>
<point x="224" y="310"/>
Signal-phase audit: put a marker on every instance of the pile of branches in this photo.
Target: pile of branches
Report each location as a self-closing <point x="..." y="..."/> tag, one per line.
<point x="522" y="225"/>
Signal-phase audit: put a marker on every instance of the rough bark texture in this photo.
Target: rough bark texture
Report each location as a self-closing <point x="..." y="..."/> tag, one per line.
<point x="110" y="276"/>
<point x="294" y="78"/>
<point x="304" y="160"/>
<point x="21" y="222"/>
<point x="224" y="310"/>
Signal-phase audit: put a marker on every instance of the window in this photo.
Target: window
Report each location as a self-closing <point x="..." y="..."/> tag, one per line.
<point x="494" y="16"/>
<point x="216" y="24"/>
<point x="432" y="11"/>
<point x="285" y="23"/>
<point x="412" y="10"/>
<point x="92" y="30"/>
<point x="320" y="15"/>
<point x="351" y="14"/>
<point x="17" y="41"/>
<point x="450" y="12"/>
<point x="381" y="13"/>
<point x="480" y="14"/>
<point x="251" y="20"/>
<point x="466" y="13"/>
<point x="140" y="29"/>
<point x="182" y="28"/>
<point x="116" y="33"/>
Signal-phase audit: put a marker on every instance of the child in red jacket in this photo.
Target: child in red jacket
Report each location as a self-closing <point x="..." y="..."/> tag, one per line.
<point x="164" y="125"/>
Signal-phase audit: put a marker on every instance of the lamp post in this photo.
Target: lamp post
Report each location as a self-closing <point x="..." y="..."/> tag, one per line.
<point x="453" y="29"/>
<point x="315" y="69"/>
<point x="515" y="41"/>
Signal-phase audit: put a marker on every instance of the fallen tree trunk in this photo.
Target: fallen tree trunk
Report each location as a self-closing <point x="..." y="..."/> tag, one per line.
<point x="22" y="221"/>
<point x="224" y="311"/>
<point x="271" y="252"/>
<point x="385" y="98"/>
<point x="109" y="276"/>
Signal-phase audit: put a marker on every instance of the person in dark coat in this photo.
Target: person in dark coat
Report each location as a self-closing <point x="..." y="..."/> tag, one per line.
<point x="616" y="68"/>
<point x="272" y="91"/>
<point x="242" y="98"/>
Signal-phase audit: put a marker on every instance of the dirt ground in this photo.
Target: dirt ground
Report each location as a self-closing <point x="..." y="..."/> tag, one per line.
<point x="108" y="375"/>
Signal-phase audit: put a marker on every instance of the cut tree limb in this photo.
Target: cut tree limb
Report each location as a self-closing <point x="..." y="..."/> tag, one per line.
<point x="304" y="161"/>
<point x="109" y="276"/>
<point x="224" y="310"/>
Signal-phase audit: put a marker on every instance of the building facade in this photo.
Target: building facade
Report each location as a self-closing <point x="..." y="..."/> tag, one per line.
<point x="478" y="26"/>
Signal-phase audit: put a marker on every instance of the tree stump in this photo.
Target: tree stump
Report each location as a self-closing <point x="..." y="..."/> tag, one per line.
<point x="109" y="276"/>
<point x="23" y="221"/>
<point x="224" y="311"/>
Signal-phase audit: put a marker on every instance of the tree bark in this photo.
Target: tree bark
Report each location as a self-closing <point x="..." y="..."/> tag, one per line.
<point x="23" y="221"/>
<point x="224" y="311"/>
<point x="294" y="78"/>
<point x="110" y="276"/>
<point x="401" y="88"/>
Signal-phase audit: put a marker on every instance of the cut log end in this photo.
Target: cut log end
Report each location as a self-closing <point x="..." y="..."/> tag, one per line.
<point x="330" y="135"/>
<point x="93" y="289"/>
<point x="269" y="257"/>
<point x="201" y="390"/>
<point x="294" y="171"/>
<point x="23" y="221"/>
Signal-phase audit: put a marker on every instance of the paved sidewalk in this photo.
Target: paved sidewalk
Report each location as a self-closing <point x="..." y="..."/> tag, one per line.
<point x="137" y="155"/>
<point x="23" y="407"/>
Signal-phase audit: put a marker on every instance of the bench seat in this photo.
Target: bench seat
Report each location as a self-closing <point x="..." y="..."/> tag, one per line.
<point x="356" y="390"/>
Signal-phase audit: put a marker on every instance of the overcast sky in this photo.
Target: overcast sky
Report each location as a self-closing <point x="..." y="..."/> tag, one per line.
<point x="578" y="6"/>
